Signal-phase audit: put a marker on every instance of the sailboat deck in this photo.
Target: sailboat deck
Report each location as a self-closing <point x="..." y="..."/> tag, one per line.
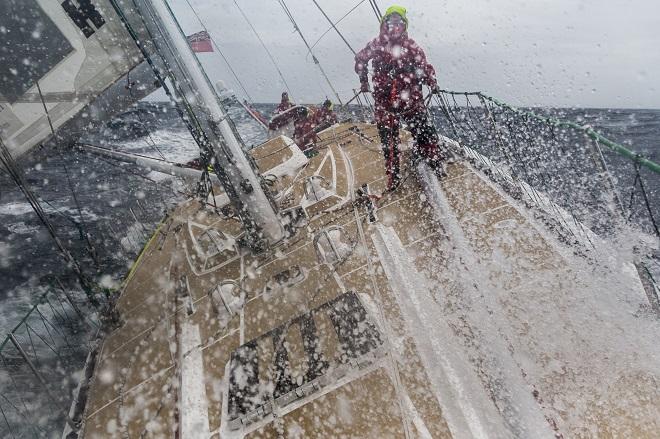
<point x="428" y="351"/>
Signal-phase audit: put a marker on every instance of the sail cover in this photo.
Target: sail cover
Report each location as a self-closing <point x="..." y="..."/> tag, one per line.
<point x="74" y="51"/>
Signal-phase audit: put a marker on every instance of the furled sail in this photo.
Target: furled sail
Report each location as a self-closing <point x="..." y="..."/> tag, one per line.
<point x="72" y="62"/>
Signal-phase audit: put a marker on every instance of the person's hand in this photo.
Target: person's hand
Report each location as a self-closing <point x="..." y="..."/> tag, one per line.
<point x="364" y="87"/>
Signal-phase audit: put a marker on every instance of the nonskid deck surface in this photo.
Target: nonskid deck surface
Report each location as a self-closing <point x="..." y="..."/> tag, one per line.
<point x="451" y="315"/>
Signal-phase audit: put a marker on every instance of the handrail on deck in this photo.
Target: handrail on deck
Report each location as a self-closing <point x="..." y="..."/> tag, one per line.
<point x="616" y="147"/>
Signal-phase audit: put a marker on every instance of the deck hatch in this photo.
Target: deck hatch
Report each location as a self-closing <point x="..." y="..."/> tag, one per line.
<point x="284" y="279"/>
<point x="211" y="248"/>
<point x="228" y="299"/>
<point x="333" y="245"/>
<point x="251" y="396"/>
<point x="317" y="188"/>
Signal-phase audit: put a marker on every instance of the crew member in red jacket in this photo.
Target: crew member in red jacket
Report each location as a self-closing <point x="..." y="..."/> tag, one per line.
<point x="325" y="116"/>
<point x="303" y="127"/>
<point x="282" y="116"/>
<point x="399" y="71"/>
<point x="285" y="104"/>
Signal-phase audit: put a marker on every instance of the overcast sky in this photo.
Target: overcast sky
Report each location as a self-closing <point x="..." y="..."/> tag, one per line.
<point x="589" y="53"/>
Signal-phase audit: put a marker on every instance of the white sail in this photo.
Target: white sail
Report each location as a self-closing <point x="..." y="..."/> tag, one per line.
<point x="68" y="54"/>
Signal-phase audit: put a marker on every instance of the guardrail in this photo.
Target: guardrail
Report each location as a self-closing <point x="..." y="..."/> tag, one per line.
<point x="600" y="182"/>
<point x="40" y="362"/>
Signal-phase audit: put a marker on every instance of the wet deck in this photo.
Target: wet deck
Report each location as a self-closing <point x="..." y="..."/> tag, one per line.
<point x="353" y="328"/>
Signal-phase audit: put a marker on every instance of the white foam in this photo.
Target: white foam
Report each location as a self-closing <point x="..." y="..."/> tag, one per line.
<point x="15" y="208"/>
<point x="23" y="229"/>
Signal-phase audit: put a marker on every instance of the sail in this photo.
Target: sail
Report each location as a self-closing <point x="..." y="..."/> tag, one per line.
<point x="64" y="61"/>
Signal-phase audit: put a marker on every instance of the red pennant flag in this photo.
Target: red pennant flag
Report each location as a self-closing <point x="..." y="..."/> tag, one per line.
<point x="200" y="42"/>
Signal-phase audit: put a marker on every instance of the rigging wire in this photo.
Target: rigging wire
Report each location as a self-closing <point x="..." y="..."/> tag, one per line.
<point x="374" y="7"/>
<point x="180" y="100"/>
<point x="196" y="131"/>
<point x="265" y="48"/>
<point x="335" y="24"/>
<point x="151" y="142"/>
<point x="231" y="69"/>
<point x="377" y="9"/>
<point x="83" y="224"/>
<point x="316" y="61"/>
<point x="206" y="151"/>
<point x="638" y="177"/>
<point x="62" y="214"/>
<point x="17" y="175"/>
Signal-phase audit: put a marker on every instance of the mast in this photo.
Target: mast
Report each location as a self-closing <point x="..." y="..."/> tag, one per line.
<point x="208" y="117"/>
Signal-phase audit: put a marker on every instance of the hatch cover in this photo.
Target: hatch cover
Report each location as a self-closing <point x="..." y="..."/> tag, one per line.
<point x="261" y="372"/>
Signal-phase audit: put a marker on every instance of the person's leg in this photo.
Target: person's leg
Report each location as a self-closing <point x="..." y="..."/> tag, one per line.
<point x="426" y="139"/>
<point x="388" y="129"/>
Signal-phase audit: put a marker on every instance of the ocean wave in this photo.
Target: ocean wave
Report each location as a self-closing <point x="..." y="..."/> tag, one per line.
<point x="23" y="229"/>
<point x="15" y="208"/>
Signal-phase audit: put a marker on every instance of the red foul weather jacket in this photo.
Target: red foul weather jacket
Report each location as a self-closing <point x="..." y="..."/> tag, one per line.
<point x="283" y="106"/>
<point x="399" y="70"/>
<point x="324" y="117"/>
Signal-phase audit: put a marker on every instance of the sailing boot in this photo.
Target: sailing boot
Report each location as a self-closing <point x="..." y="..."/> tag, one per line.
<point x="448" y="155"/>
<point x="393" y="172"/>
<point x="431" y="154"/>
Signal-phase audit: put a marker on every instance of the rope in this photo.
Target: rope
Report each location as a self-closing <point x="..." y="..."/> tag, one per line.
<point x="316" y="61"/>
<point x="272" y="59"/>
<point x="334" y="27"/>
<point x="252" y="229"/>
<point x="191" y="121"/>
<point x="334" y="24"/>
<point x="195" y="130"/>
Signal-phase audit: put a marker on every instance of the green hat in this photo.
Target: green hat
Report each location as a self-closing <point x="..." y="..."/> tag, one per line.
<point x="395" y="9"/>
